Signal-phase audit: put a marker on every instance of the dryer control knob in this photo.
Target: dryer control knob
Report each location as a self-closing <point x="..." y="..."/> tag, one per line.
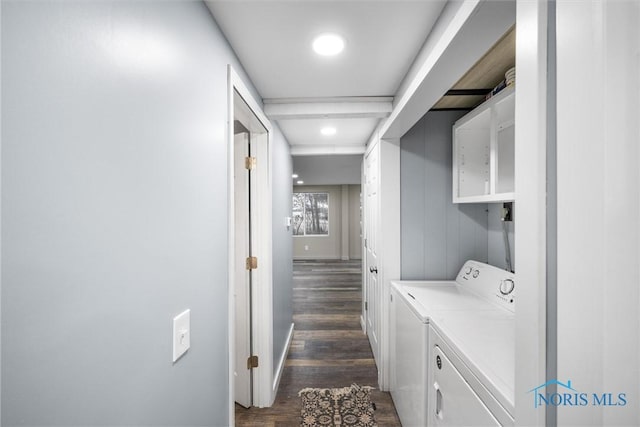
<point x="468" y="270"/>
<point x="507" y="286"/>
<point x="476" y="273"/>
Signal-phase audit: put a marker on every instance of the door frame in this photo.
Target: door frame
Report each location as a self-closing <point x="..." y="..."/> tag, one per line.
<point x="534" y="189"/>
<point x="261" y="241"/>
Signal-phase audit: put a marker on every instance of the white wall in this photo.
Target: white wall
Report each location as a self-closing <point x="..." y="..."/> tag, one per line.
<point x="114" y="213"/>
<point x="598" y="92"/>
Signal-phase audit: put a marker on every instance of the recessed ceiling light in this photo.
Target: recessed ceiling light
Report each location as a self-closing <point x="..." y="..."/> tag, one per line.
<point x="295" y="175"/>
<point x="328" y="44"/>
<point x="328" y="131"/>
<point x="300" y="182"/>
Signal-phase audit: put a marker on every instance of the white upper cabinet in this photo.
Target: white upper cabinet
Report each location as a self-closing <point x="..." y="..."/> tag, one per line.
<point x="483" y="151"/>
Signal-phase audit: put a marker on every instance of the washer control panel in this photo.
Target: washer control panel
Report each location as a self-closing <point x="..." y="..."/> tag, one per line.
<point x="489" y="282"/>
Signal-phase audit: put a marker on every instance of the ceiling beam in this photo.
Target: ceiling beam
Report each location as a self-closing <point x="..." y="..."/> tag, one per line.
<point x="341" y="108"/>
<point x="316" y="150"/>
<point x="327" y="99"/>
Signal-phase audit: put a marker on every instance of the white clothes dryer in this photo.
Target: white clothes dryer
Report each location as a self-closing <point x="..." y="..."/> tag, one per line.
<point x="467" y="327"/>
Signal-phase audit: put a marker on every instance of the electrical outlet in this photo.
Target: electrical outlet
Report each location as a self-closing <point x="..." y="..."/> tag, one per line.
<point x="507" y="212"/>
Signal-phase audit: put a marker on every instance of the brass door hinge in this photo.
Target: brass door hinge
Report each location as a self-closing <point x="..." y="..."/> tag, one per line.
<point x="252" y="263"/>
<point x="252" y="362"/>
<point x="250" y="163"/>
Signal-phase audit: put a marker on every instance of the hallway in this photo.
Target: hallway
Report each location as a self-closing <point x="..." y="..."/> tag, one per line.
<point x="328" y="348"/>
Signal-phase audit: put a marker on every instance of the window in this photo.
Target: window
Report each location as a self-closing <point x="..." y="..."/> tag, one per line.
<point x="310" y="214"/>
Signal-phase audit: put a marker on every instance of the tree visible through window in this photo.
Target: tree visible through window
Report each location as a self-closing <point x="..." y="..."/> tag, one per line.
<point x="310" y="214"/>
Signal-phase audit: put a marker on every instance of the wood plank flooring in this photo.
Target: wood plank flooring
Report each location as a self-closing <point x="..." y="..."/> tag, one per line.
<point x="328" y="347"/>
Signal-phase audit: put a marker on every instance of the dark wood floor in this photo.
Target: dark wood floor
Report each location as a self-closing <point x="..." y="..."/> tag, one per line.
<point x="328" y="348"/>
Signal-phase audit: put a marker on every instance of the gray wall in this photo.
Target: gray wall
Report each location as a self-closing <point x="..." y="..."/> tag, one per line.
<point x="355" y="229"/>
<point x="282" y="245"/>
<point x="322" y="247"/>
<point x="329" y="169"/>
<point x="437" y="237"/>
<point x="0" y="215"/>
<point x="114" y="213"/>
<point x="330" y="247"/>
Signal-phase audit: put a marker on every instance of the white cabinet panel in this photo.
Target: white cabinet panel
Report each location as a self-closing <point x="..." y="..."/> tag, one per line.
<point x="505" y="158"/>
<point x="483" y="152"/>
<point x="408" y="363"/>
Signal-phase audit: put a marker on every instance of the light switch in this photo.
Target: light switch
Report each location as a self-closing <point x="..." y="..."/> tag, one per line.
<point x="181" y="334"/>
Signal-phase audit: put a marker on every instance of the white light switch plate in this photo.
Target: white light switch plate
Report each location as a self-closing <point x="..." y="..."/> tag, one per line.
<point x="181" y="334"/>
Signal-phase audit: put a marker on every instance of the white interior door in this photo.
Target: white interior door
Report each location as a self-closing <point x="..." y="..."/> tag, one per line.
<point x="372" y="284"/>
<point x="242" y="291"/>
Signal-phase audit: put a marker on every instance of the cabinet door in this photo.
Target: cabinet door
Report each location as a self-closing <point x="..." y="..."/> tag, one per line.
<point x="382" y="249"/>
<point x="453" y="401"/>
<point x="372" y="284"/>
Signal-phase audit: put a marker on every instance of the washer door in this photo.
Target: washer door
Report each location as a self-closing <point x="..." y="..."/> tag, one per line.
<point x="453" y="401"/>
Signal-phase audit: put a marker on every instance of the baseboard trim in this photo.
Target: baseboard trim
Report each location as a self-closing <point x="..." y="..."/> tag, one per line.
<point x="362" y="325"/>
<point x="283" y="358"/>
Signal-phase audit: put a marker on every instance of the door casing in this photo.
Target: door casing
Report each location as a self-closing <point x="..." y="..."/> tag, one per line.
<point x="264" y="384"/>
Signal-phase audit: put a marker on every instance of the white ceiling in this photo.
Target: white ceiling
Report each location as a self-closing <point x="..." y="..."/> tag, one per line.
<point x="273" y="41"/>
<point x="307" y="131"/>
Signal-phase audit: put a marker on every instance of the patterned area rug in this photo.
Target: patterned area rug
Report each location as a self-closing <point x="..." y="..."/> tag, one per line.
<point x="348" y="406"/>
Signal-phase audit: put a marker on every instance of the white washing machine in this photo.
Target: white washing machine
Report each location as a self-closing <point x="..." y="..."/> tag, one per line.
<point x="464" y="326"/>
